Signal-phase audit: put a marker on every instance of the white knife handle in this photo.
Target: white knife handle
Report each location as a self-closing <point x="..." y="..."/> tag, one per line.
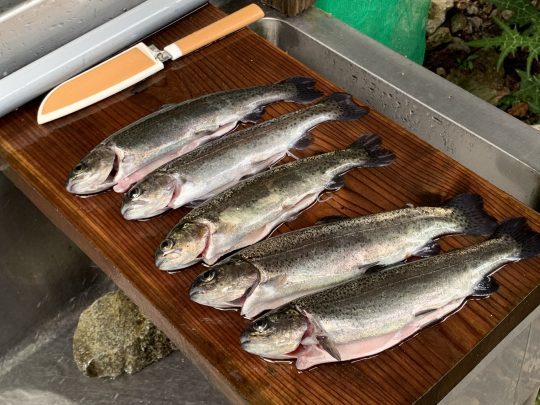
<point x="217" y="30"/>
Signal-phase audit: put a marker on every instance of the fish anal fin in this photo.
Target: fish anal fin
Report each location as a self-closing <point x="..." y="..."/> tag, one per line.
<point x="303" y="142"/>
<point x="485" y="287"/>
<point x="336" y="183"/>
<point x="425" y="312"/>
<point x="254" y="116"/>
<point x="431" y="248"/>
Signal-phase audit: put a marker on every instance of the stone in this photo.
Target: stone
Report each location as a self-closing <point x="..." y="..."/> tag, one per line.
<point x="458" y="23"/>
<point x="113" y="337"/>
<point x="506" y="14"/>
<point x="476" y="23"/>
<point x="462" y="4"/>
<point x="459" y="45"/>
<point x="437" y="14"/>
<point x="439" y="37"/>
<point x="481" y="77"/>
<point x="440" y="71"/>
<point x="472" y="9"/>
<point x="519" y="110"/>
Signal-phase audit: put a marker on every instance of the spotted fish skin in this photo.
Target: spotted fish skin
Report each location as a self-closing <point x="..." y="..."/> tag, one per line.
<point x="311" y="259"/>
<point x="136" y="150"/>
<point x="369" y="314"/>
<point x="250" y="210"/>
<point x="220" y="164"/>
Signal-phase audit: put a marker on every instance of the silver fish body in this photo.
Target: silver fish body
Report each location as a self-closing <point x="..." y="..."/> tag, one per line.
<point x="136" y="150"/>
<point x="250" y="210"/>
<point x="218" y="165"/>
<point x="311" y="259"/>
<point x="372" y="313"/>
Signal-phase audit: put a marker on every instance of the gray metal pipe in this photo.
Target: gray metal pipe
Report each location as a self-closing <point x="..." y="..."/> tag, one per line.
<point x="85" y="51"/>
<point x="31" y="29"/>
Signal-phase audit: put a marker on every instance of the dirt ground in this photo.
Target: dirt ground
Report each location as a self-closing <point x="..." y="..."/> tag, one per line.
<point x="475" y="69"/>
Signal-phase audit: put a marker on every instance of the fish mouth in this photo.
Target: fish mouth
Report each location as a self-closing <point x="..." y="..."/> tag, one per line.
<point x="194" y="293"/>
<point x="131" y="212"/>
<point x="244" y="340"/>
<point x="101" y="177"/>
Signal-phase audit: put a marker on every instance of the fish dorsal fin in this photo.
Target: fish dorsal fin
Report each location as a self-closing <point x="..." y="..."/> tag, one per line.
<point x="330" y="219"/>
<point x="485" y="287"/>
<point x="322" y="338"/>
<point x="431" y="248"/>
<point x="374" y="268"/>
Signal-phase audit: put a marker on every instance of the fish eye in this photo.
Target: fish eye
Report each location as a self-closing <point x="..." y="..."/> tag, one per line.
<point x="260" y="325"/>
<point x="134" y="192"/>
<point x="208" y="275"/>
<point x="78" y="168"/>
<point x="167" y="244"/>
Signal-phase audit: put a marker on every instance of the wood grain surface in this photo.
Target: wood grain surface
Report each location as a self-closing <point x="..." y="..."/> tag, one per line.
<point x="425" y="367"/>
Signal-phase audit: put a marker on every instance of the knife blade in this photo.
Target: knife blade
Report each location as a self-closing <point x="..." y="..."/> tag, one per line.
<point x="133" y="65"/>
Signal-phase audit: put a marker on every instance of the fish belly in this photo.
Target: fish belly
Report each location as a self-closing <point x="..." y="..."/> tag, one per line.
<point x="313" y="355"/>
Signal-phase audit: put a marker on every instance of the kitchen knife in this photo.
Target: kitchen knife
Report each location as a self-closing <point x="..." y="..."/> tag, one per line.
<point x="133" y="65"/>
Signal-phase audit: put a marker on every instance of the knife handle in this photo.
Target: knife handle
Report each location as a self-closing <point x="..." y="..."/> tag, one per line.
<point x="217" y="30"/>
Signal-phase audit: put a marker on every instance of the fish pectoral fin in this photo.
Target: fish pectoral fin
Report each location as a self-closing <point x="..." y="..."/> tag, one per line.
<point x="303" y="142"/>
<point x="431" y="248"/>
<point x="330" y="219"/>
<point x="328" y="346"/>
<point x="485" y="287"/>
<point x="321" y="336"/>
<point x="336" y="183"/>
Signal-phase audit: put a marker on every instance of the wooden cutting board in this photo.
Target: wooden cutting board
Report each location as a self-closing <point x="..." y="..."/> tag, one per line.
<point x="424" y="367"/>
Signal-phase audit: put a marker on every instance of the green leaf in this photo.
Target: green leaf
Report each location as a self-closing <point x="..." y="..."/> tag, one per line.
<point x="512" y="40"/>
<point x="508" y="42"/>
<point x="523" y="12"/>
<point x="529" y="91"/>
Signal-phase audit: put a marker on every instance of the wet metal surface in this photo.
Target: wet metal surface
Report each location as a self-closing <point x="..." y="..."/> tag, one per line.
<point x="57" y="21"/>
<point x="42" y="370"/>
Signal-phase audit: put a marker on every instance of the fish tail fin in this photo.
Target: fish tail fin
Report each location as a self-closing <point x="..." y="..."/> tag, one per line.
<point x="304" y="89"/>
<point x="470" y="210"/>
<point x="371" y="145"/>
<point x="345" y="107"/>
<point x="527" y="239"/>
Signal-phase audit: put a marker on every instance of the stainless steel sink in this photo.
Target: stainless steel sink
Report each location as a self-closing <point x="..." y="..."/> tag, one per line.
<point x="483" y="138"/>
<point x="45" y="281"/>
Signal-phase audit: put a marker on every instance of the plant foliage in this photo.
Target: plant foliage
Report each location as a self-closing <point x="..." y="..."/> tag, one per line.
<point x="521" y="33"/>
<point x="512" y="40"/>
